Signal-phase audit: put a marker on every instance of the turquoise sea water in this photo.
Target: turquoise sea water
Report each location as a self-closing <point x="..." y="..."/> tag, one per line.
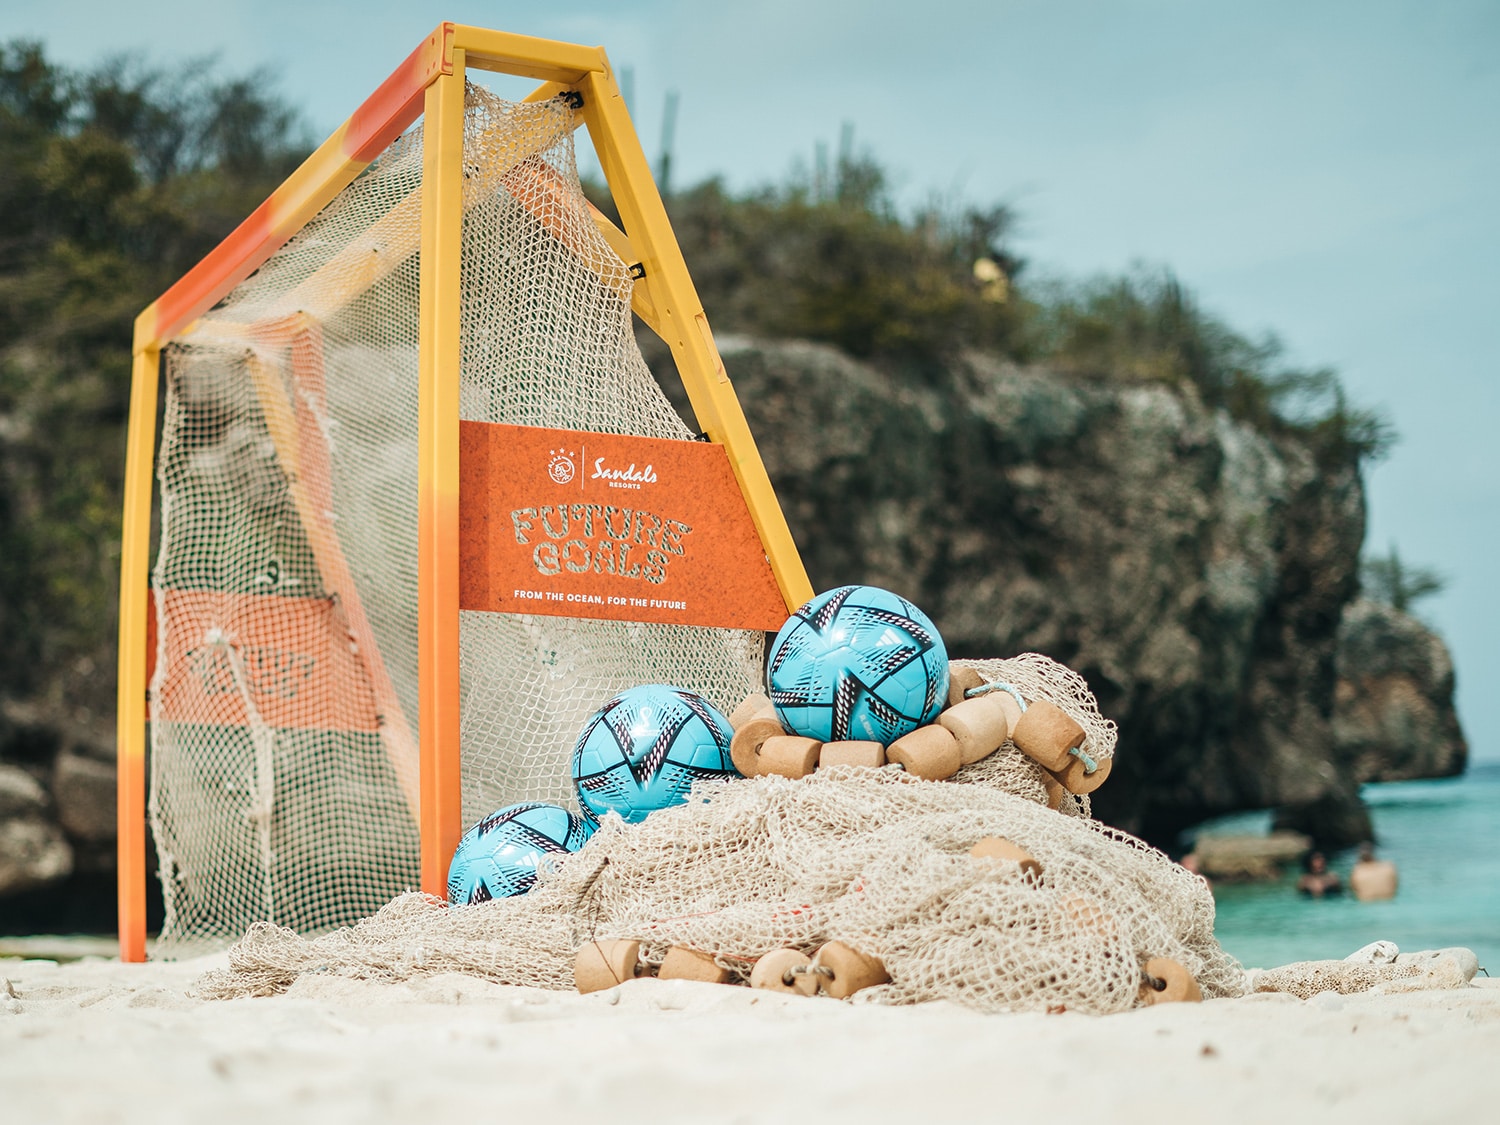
<point x="1443" y="836"/>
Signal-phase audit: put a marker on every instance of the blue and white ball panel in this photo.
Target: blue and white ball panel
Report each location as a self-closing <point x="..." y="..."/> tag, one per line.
<point x="859" y="663"/>
<point x="644" y="749"/>
<point x="498" y="857"/>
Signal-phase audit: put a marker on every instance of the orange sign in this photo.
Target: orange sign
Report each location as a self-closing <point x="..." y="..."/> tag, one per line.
<point x="293" y="659"/>
<point x="575" y="524"/>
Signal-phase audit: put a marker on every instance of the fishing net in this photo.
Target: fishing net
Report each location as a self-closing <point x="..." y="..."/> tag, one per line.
<point x="285" y="719"/>
<point x="877" y="859"/>
<point x="874" y="858"/>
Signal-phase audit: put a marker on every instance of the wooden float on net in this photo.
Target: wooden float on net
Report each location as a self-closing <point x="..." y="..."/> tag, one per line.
<point x="1040" y="729"/>
<point x="979" y="719"/>
<point x="604" y="964"/>
<point x="609" y="962"/>
<point x="836" y="969"/>
<point x="852" y="753"/>
<point x="785" y="970"/>
<point x="1165" y="981"/>
<point x="682" y="963"/>
<point x="998" y="847"/>
<point x="761" y="745"/>
<point x="929" y="752"/>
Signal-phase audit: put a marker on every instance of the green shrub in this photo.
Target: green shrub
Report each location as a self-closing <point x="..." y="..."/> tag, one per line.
<point x="113" y="182"/>
<point x="845" y="266"/>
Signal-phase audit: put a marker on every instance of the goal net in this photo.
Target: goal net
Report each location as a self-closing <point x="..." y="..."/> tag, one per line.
<point x="284" y="720"/>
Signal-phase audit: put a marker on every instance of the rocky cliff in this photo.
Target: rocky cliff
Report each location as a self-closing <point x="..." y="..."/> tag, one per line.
<point x="1393" y="717"/>
<point x="57" y="819"/>
<point x="1194" y="570"/>
<point x="1198" y="573"/>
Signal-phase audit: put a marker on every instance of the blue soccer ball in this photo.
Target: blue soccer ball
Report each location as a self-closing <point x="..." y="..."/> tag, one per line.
<point x="498" y="857"/>
<point x="643" y="750"/>
<point x="857" y="663"/>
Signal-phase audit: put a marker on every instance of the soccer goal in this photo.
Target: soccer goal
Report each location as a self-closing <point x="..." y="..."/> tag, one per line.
<point x="422" y="506"/>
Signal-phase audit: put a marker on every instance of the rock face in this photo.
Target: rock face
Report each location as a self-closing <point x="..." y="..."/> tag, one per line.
<point x="33" y="850"/>
<point x="1393" y="717"/>
<point x="1249" y="859"/>
<point x="1194" y="570"/>
<point x="57" y="821"/>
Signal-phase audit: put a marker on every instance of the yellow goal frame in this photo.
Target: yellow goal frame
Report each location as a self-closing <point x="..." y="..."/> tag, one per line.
<point x="428" y="84"/>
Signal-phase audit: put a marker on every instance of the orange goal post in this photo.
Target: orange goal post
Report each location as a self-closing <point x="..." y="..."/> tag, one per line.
<point x="412" y="368"/>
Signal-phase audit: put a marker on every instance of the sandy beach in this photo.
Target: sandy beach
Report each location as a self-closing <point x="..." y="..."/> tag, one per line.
<point x="97" y="1041"/>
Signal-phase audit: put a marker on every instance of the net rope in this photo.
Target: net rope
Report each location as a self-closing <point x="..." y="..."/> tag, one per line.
<point x="875" y="858"/>
<point x="284" y="701"/>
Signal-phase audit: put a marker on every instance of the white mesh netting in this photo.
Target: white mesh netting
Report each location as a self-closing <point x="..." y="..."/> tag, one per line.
<point x="284" y="721"/>
<point x="875" y="858"/>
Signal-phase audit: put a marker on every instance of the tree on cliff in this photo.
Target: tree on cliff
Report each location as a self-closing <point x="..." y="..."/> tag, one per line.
<point x="1389" y="581"/>
<point x="841" y="264"/>
<point x="1146" y="326"/>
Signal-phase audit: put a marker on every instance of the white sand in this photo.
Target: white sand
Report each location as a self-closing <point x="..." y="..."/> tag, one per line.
<point x="97" y="1041"/>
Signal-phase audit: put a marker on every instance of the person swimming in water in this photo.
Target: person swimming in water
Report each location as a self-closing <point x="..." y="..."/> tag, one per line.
<point x="1317" y="881"/>
<point x="1372" y="878"/>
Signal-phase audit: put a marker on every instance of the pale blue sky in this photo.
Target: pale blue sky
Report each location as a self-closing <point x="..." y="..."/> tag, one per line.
<point x="1328" y="171"/>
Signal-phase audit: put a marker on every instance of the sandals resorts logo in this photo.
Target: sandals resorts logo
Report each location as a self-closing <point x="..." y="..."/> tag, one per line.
<point x="623" y="478"/>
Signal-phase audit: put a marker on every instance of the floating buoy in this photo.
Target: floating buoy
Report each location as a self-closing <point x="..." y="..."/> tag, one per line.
<point x="757" y="705"/>
<point x="979" y="724"/>
<point x="682" y="963"/>
<point x="961" y="679"/>
<point x="1088" y="914"/>
<point x="1164" y="981"/>
<point x="604" y="964"/>
<point x="1056" y="791"/>
<point x="1046" y="733"/>
<point x="789" y="755"/>
<point x="848" y="970"/>
<point x="785" y="970"/>
<point x="1076" y="777"/>
<point x="1010" y="703"/>
<point x="998" y="847"/>
<point x="744" y="747"/>
<point x="929" y="752"/>
<point x="851" y="753"/>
